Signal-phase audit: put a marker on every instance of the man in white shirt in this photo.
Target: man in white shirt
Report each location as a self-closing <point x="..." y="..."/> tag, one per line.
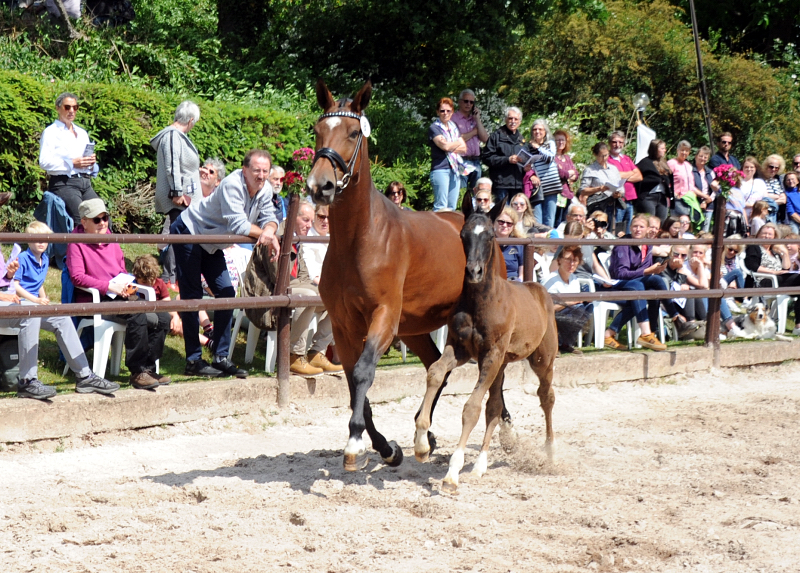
<point x="67" y="156"/>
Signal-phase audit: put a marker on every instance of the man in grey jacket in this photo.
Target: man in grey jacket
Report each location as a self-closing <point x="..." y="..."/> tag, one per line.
<point x="241" y="205"/>
<point x="178" y="175"/>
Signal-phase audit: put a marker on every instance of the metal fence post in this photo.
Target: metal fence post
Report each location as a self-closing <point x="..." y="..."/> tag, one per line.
<point x="285" y="314"/>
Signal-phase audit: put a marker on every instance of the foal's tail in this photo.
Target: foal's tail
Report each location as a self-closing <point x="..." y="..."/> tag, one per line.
<point x="570" y="322"/>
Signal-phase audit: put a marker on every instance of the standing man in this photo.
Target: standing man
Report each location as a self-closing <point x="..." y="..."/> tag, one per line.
<point x="468" y="120"/>
<point x="724" y="155"/>
<point x="178" y="175"/>
<point x="627" y="170"/>
<point x="241" y="205"/>
<point x="500" y="153"/>
<point x="67" y="156"/>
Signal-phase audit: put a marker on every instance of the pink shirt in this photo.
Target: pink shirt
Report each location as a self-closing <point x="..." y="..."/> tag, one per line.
<point x="682" y="173"/>
<point x="466" y="124"/>
<point x="625" y="163"/>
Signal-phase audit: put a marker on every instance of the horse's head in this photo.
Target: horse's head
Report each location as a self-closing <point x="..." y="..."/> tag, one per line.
<point x="478" y="238"/>
<point x="340" y="141"/>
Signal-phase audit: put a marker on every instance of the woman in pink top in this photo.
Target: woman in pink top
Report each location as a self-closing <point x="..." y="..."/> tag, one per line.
<point x="683" y="178"/>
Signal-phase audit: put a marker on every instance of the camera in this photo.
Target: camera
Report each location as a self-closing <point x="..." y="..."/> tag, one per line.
<point x="474" y="111"/>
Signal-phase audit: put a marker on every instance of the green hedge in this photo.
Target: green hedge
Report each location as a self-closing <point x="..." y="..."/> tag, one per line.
<point x="122" y="120"/>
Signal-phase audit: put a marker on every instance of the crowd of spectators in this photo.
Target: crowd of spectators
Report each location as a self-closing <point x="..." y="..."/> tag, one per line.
<point x="533" y="175"/>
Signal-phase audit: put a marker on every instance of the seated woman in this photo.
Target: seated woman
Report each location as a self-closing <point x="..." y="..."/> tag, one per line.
<point x="396" y="194"/>
<point x="571" y="317"/>
<point x="94" y="266"/>
<point x="772" y="260"/>
<point x="634" y="263"/>
<point x="504" y="227"/>
<point x="522" y="206"/>
<point x="589" y="264"/>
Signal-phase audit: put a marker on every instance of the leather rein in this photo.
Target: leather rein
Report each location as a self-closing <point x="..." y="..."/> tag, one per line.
<point x="337" y="161"/>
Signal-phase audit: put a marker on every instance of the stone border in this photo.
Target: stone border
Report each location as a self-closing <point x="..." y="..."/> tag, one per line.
<point x="77" y="414"/>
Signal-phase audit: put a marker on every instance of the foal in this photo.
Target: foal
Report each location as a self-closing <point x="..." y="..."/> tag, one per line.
<point x="496" y="322"/>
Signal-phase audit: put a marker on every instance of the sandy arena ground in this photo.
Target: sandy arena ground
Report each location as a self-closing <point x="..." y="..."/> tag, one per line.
<point x="689" y="474"/>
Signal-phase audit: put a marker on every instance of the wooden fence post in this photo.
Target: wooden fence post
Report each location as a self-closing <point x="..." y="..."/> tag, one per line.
<point x="285" y="314"/>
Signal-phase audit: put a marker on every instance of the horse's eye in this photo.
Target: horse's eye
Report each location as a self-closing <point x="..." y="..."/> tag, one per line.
<point x="354" y="134"/>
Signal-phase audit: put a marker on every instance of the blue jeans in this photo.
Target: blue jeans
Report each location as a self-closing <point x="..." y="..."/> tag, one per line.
<point x="642" y="309"/>
<point x="724" y="310"/>
<point x="624" y="216"/>
<point x="548" y="210"/>
<point x="735" y="275"/>
<point x="192" y="260"/>
<point x="446" y="185"/>
<point x="471" y="180"/>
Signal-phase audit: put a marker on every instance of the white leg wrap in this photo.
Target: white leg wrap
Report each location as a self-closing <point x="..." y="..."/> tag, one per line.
<point x="481" y="464"/>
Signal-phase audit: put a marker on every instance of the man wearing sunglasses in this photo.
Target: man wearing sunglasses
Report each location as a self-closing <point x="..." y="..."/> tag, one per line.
<point x="177" y="176"/>
<point x="67" y="155"/>
<point x="724" y="156"/>
<point x="468" y="120"/>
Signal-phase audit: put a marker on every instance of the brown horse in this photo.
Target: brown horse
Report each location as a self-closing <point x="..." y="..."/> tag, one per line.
<point x="495" y="322"/>
<point x="387" y="271"/>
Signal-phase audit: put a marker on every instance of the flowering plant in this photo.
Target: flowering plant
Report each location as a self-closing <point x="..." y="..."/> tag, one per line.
<point x="728" y="177"/>
<point x="295" y="180"/>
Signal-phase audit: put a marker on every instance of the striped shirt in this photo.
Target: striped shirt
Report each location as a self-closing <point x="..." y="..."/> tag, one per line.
<point x="547" y="169"/>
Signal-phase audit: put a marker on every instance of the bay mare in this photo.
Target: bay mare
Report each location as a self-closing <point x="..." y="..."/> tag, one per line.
<point x="387" y="271"/>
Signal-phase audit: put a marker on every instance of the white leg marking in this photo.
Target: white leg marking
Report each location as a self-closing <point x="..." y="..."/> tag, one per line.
<point x="421" y="445"/>
<point x="355" y="446"/>
<point x="456" y="463"/>
<point x="481" y="464"/>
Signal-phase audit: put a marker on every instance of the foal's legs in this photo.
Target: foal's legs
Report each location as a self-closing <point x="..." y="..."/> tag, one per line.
<point x="494" y="409"/>
<point x="437" y="372"/>
<point x="490" y="367"/>
<point x="381" y="332"/>
<point x="542" y="362"/>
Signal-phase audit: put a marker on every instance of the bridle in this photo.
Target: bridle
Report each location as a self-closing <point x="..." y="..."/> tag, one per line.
<point x="337" y="161"/>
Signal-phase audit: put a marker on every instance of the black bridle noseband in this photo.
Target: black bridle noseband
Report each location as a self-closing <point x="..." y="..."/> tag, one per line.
<point x="337" y="161"/>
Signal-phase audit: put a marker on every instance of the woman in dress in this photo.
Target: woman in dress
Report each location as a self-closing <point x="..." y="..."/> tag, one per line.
<point x="447" y="166"/>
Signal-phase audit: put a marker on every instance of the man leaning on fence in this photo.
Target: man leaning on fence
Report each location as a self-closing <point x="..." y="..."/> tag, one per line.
<point x="241" y="205"/>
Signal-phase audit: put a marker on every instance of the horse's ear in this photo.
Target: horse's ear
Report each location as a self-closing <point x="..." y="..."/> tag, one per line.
<point x="324" y="95"/>
<point x="361" y="99"/>
<point x="466" y="204"/>
<point x="496" y="210"/>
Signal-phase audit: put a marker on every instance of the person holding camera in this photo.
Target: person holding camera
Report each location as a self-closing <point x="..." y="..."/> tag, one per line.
<point x="67" y="155"/>
<point x="468" y="120"/>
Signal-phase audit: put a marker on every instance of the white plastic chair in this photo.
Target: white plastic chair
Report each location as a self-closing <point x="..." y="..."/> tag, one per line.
<point x="253" y="333"/>
<point x="439" y="338"/>
<point x="109" y="336"/>
<point x="781" y="301"/>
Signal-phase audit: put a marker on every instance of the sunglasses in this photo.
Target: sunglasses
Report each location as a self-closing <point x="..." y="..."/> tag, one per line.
<point x="482" y="200"/>
<point x="323" y="217"/>
<point x="732" y="250"/>
<point x="395" y="193"/>
<point x="98" y="220"/>
<point x="445" y="111"/>
<point x="468" y="100"/>
<point x="518" y="204"/>
<point x="796" y="163"/>
<point x="70" y="107"/>
<point x="601" y="223"/>
<point x="504" y="223"/>
<point x="725" y="142"/>
<point x="680" y="255"/>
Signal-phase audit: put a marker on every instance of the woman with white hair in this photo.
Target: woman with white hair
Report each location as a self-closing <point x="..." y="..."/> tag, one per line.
<point x="543" y="149"/>
<point x="178" y="175"/>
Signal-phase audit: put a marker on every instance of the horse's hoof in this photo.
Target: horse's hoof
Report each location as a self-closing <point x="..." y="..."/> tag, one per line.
<point x="397" y="456"/>
<point x="355" y="462"/>
<point x="423" y="457"/>
<point x="449" y="487"/>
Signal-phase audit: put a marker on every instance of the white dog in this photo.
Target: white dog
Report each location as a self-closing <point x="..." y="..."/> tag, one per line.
<point x="756" y="324"/>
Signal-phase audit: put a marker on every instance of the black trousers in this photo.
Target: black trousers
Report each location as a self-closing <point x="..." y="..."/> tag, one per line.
<point x="167" y="255"/>
<point x="653" y="204"/>
<point x="73" y="191"/>
<point x="145" y="335"/>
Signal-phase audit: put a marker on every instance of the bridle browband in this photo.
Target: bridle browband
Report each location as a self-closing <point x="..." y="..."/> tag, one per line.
<point x="337" y="161"/>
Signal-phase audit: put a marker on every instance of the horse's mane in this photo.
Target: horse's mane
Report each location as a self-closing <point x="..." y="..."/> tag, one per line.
<point x="343" y="102"/>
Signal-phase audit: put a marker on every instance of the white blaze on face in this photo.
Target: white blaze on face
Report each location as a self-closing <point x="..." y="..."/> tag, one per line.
<point x="333" y="122"/>
<point x="478" y="230"/>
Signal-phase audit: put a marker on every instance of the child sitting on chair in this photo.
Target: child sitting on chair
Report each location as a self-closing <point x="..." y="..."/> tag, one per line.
<point x="28" y="284"/>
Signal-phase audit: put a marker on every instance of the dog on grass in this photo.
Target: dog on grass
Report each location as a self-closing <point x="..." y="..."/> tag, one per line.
<point x="756" y="324"/>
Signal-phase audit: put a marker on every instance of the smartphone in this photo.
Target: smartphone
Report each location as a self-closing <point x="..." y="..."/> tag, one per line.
<point x="89" y="150"/>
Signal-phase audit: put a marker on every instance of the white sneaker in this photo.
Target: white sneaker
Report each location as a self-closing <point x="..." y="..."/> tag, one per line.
<point x="733" y="306"/>
<point x="796" y="331"/>
<point x="723" y="284"/>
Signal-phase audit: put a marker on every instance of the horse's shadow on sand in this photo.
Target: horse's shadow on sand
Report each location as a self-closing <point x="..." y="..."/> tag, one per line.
<point x="304" y="471"/>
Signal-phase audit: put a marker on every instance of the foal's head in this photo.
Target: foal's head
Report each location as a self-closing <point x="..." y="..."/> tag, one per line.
<point x="341" y="143"/>
<point x="477" y="236"/>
